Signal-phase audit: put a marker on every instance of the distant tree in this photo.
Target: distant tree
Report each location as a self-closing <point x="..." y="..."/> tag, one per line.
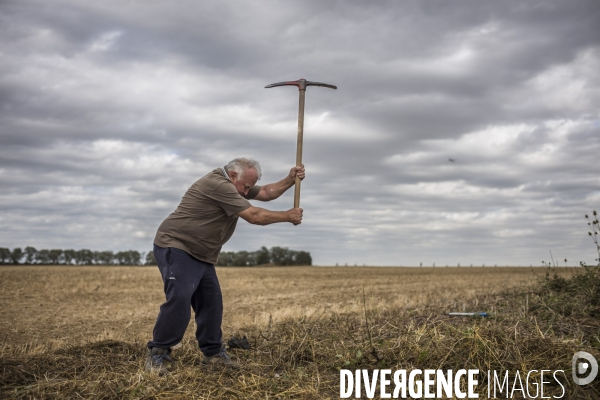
<point x="4" y="255"/>
<point x="78" y="257"/>
<point x="105" y="258"/>
<point x="84" y="257"/>
<point x="262" y="256"/>
<point x="135" y="257"/>
<point x="225" y="258"/>
<point x="121" y="258"/>
<point x="303" y="258"/>
<point x="70" y="257"/>
<point x="30" y="255"/>
<point x="130" y="257"/>
<point x="242" y="259"/>
<point x="16" y="255"/>
<point x="239" y="258"/>
<point x="43" y="257"/>
<point x="55" y="256"/>
<point x="150" y="260"/>
<point x="280" y="256"/>
<point x="277" y="255"/>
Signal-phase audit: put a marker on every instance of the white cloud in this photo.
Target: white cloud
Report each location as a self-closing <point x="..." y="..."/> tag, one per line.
<point x="105" y="41"/>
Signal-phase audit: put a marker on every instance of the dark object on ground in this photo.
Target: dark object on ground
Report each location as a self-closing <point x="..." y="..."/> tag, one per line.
<point x="468" y="314"/>
<point x="237" y="343"/>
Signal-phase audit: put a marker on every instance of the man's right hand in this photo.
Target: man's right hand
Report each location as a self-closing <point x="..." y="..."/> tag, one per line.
<point x="295" y="216"/>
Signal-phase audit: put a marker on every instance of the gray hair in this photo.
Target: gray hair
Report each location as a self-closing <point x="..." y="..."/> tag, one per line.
<point x="241" y="164"/>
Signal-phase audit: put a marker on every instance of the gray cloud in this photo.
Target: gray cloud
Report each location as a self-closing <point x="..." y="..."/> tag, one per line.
<point x="109" y="111"/>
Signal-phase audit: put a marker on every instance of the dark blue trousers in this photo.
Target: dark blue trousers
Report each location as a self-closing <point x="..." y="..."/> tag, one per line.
<point x="188" y="281"/>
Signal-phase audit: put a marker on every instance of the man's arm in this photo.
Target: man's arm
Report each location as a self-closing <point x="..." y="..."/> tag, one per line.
<point x="274" y="190"/>
<point x="260" y="216"/>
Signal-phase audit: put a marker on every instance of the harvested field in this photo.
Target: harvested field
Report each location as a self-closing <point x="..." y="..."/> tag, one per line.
<point x="53" y="305"/>
<point x="81" y="331"/>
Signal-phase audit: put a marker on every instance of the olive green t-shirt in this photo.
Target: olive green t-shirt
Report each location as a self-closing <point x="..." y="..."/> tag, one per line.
<point x="206" y="217"/>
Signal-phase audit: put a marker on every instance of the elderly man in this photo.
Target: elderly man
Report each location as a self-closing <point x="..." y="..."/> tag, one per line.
<point x="186" y="248"/>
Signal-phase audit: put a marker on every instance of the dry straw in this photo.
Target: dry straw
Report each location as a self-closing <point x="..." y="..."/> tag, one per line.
<point x="299" y="354"/>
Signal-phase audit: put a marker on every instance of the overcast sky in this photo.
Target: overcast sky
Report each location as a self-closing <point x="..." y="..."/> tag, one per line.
<point x="110" y="110"/>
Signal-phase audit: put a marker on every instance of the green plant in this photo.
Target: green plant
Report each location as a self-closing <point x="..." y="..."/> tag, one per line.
<point x="594" y="230"/>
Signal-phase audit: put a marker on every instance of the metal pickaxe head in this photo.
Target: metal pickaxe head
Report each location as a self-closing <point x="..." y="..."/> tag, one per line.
<point x="301" y="84"/>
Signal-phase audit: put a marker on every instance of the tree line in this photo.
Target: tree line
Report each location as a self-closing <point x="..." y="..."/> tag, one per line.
<point x="30" y="255"/>
<point x="281" y="256"/>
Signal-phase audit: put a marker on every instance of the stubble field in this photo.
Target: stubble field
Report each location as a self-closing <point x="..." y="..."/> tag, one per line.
<point x="73" y="332"/>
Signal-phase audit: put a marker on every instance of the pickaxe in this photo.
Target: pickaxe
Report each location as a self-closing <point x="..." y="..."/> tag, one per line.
<point x="301" y="84"/>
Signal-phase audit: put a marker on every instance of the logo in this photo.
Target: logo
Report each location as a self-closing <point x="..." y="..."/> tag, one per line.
<point x="584" y="364"/>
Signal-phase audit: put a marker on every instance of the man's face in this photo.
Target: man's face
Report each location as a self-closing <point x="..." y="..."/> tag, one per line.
<point x="247" y="182"/>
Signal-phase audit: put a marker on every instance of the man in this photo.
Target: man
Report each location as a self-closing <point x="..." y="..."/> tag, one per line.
<point x="186" y="248"/>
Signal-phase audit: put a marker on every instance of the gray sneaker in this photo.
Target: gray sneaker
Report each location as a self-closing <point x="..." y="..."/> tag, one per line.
<point x="221" y="359"/>
<point x="155" y="361"/>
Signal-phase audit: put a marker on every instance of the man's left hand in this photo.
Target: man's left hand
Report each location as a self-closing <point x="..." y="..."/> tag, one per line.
<point x="297" y="171"/>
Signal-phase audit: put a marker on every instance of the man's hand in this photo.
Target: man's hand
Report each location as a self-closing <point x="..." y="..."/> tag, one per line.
<point x="274" y="190"/>
<point x="297" y="171"/>
<point x="295" y="216"/>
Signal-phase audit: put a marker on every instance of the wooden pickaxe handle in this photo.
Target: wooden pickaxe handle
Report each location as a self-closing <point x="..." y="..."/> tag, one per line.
<point x="301" y="84"/>
<point x="299" y="146"/>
